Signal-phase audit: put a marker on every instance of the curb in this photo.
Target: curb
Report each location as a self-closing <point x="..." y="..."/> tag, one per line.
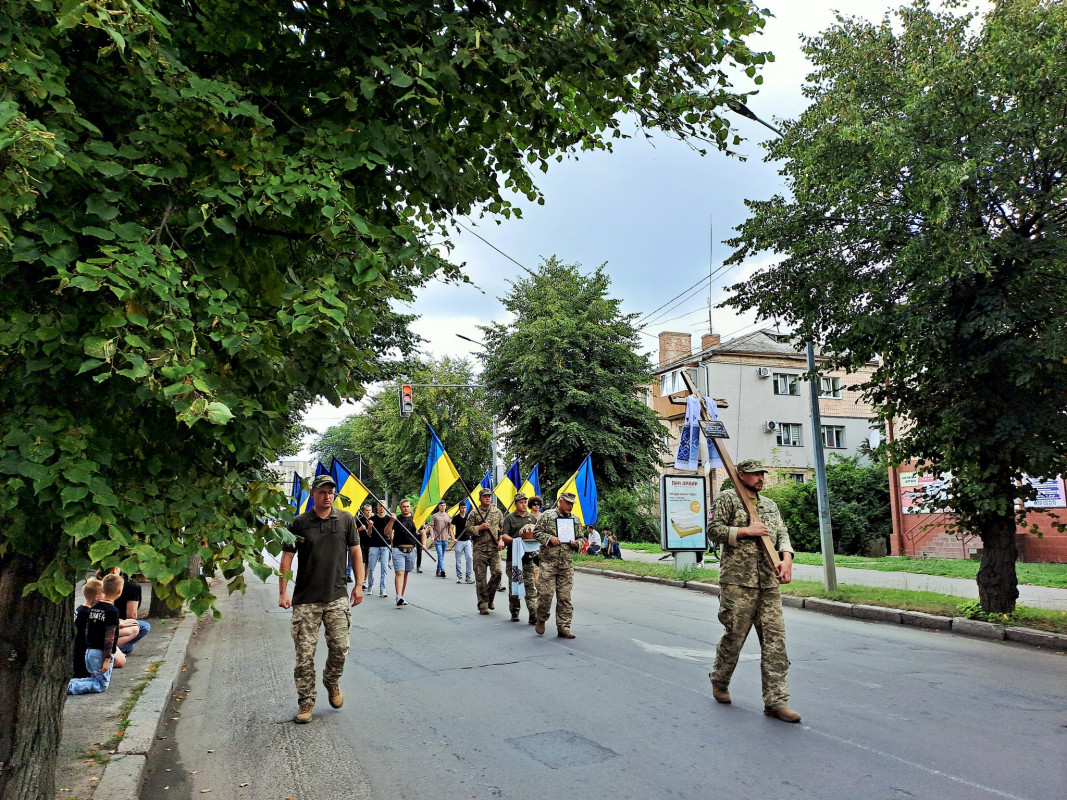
<point x="957" y="625"/>
<point x="121" y="779"/>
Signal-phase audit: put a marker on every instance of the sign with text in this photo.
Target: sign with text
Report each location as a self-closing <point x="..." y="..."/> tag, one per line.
<point x="683" y="511"/>
<point x="1050" y="493"/>
<point x="713" y="429"/>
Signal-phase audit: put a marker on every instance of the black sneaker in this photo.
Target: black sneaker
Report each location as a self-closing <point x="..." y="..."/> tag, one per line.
<point x="400" y="601"/>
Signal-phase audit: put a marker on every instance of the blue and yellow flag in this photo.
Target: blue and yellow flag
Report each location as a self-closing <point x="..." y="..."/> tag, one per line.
<point x="509" y="486"/>
<point x="298" y="495"/>
<point x="583" y="485"/>
<point x="348" y="487"/>
<point x="439" y="475"/>
<point x="472" y="501"/>
<point x="533" y="483"/>
<point x="307" y="502"/>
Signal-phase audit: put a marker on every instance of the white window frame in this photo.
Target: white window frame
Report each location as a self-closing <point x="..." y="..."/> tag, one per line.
<point x="788" y="381"/>
<point x="796" y="477"/>
<point x="672" y="383"/>
<point x="789" y="434"/>
<point x="830" y="387"/>
<point x="833" y="436"/>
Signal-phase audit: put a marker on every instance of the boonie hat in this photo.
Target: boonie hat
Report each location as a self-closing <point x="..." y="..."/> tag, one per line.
<point x="520" y="496"/>
<point x="751" y="465"/>
<point x="323" y="480"/>
<point x="570" y="497"/>
<point x="485" y="492"/>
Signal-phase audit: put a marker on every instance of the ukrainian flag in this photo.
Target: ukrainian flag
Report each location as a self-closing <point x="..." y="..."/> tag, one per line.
<point x="584" y="487"/>
<point x="533" y="482"/>
<point x="509" y="486"/>
<point x="348" y="487"/>
<point x="439" y="475"/>
<point x="297" y="495"/>
<point x="473" y="501"/>
<point x="306" y="500"/>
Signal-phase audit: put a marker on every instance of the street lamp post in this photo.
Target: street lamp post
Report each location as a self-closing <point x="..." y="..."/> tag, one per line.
<point x="826" y="536"/>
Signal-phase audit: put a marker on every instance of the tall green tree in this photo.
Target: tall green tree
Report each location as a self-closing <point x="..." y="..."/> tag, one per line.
<point x="926" y="227"/>
<point x="395" y="447"/>
<point x="566" y="379"/>
<point x="207" y="210"/>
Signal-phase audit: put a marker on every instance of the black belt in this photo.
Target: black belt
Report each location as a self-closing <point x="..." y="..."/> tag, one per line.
<point x="406" y="549"/>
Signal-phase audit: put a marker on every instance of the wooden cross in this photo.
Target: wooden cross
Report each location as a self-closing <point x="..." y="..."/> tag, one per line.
<point x="731" y="470"/>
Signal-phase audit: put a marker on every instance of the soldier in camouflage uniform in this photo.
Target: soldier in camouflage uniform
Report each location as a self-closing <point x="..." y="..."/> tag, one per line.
<point x="749" y="594"/>
<point x="485" y="523"/>
<point x="557" y="567"/>
<point x="514" y="524"/>
<point x="326" y="538"/>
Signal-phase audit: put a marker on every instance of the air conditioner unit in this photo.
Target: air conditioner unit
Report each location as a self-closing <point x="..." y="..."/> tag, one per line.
<point x="771" y="426"/>
<point x="763" y="372"/>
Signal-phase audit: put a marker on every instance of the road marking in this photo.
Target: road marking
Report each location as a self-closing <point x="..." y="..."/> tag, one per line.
<point x="914" y="764"/>
<point x="685" y="653"/>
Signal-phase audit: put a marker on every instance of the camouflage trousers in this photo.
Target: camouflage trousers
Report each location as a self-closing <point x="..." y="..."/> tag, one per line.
<point x="529" y="564"/>
<point x="557" y="578"/>
<point x="486" y="557"/>
<point x="740" y="609"/>
<point x="336" y="617"/>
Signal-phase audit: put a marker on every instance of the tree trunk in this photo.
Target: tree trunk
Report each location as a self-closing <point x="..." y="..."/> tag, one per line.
<point x="998" y="586"/>
<point x="36" y="645"/>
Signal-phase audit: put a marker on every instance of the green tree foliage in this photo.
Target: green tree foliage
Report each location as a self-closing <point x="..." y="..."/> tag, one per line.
<point x="631" y="514"/>
<point x="926" y="227"/>
<point x="858" y="495"/>
<point x="206" y="211"/>
<point x="396" y="447"/>
<point x="565" y="378"/>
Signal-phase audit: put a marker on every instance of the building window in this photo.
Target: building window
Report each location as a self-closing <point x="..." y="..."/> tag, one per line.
<point x="796" y="477"/>
<point x="786" y="384"/>
<point x="830" y="387"/>
<point x="672" y="383"/>
<point x="833" y="435"/>
<point x="789" y="434"/>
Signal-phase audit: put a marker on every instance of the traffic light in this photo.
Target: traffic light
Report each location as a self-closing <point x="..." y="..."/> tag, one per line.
<point x="407" y="405"/>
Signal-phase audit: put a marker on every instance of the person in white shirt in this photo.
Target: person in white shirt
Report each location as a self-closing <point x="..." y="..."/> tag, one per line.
<point x="594" y="543"/>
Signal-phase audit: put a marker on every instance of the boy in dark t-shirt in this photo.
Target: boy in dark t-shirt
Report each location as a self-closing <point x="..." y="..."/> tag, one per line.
<point x="92" y="592"/>
<point x="101" y="634"/>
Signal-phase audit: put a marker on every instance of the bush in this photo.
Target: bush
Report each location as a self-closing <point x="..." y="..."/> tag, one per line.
<point x="859" y="506"/>
<point x="631" y="514"/>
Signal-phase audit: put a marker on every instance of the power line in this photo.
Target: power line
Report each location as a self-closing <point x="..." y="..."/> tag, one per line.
<point x="490" y="244"/>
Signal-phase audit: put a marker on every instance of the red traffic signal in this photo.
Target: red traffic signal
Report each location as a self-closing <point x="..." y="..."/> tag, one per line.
<point x="407" y="405"/>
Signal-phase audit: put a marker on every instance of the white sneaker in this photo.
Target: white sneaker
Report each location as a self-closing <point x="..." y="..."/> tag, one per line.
<point x="385" y="594"/>
<point x="459" y="580"/>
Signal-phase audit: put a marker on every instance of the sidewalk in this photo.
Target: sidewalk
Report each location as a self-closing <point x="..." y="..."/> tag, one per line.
<point x="1031" y="596"/>
<point x="97" y="755"/>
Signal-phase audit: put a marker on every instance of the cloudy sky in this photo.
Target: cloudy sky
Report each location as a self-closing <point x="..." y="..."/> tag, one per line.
<point x="655" y="211"/>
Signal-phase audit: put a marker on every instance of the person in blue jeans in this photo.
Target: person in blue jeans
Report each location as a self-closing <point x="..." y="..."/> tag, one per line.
<point x="441" y="525"/>
<point x="380" y="551"/>
<point x="101" y="634"/>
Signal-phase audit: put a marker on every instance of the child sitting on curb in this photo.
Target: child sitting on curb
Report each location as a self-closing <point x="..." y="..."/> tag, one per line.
<point x="101" y="636"/>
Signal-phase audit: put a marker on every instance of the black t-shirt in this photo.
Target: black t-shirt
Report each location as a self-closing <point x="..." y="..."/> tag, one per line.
<point x="322" y="555"/>
<point x="405" y="533"/>
<point x="379" y="539"/>
<point x="131" y="590"/>
<point x="102" y="627"/>
<point x="460" y="522"/>
<point x="81" y="617"/>
<point x="364" y="536"/>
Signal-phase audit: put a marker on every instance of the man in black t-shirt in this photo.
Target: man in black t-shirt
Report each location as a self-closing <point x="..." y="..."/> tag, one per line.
<point x="462" y="545"/>
<point x="405" y="539"/>
<point x="129" y="605"/>
<point x="325" y="536"/>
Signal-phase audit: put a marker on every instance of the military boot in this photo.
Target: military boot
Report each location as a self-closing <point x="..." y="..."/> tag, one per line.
<point x="784" y="713"/>
<point x="336" y="698"/>
<point x="720" y="692"/>
<point x="305" y="713"/>
<point x="564" y="633"/>
<point x="540" y="628"/>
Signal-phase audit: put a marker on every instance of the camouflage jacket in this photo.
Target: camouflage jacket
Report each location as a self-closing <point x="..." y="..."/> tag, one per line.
<point x="546" y="529"/>
<point x="494" y="516"/>
<point x="742" y="562"/>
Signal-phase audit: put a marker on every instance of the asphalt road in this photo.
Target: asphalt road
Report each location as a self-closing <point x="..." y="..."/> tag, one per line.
<point x="441" y="702"/>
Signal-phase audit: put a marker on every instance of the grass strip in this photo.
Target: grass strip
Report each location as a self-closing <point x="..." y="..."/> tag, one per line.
<point x="123" y="716"/>
<point x="929" y="602"/>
